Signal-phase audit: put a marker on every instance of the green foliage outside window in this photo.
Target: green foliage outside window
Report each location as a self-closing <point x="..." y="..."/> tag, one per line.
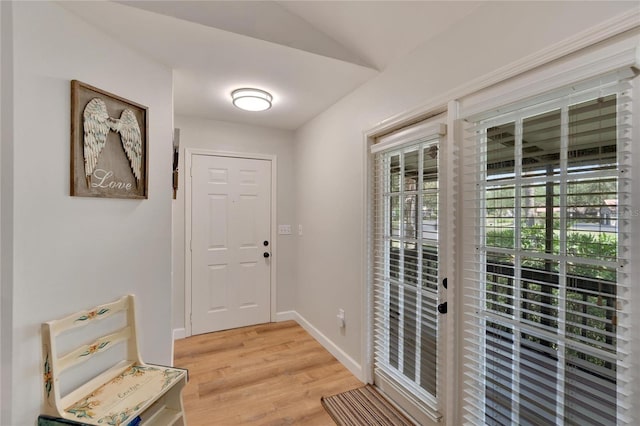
<point x="580" y="245"/>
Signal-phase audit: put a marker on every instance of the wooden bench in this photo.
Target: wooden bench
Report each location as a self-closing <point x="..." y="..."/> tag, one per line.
<point x="130" y="392"/>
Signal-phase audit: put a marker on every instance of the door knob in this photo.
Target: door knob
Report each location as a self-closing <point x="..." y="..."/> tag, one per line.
<point x="266" y="254"/>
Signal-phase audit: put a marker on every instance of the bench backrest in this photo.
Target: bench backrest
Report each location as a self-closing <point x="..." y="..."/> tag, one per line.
<point x="54" y="364"/>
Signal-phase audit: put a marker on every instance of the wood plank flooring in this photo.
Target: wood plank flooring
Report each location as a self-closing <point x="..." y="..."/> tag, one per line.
<point x="270" y="374"/>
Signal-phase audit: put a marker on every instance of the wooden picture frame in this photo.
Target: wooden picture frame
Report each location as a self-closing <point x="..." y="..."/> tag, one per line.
<point x="109" y="144"/>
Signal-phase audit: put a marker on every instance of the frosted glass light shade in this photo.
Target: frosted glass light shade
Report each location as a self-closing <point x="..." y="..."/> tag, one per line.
<point x="251" y="99"/>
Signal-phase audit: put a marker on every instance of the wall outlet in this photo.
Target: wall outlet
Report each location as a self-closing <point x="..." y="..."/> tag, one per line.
<point x="284" y="229"/>
<point x="340" y="317"/>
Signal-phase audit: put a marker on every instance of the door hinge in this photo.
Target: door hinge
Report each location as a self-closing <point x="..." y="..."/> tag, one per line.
<point x="190" y="245"/>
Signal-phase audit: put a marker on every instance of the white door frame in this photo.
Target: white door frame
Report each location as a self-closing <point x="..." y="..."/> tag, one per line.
<point x="447" y="333"/>
<point x="189" y="153"/>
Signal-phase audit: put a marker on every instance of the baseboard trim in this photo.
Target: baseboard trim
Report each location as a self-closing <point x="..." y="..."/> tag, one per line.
<point x="354" y="367"/>
<point x="286" y="316"/>
<point x="179" y="333"/>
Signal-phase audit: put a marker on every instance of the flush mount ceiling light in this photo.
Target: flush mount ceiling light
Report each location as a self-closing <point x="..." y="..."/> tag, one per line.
<point x="251" y="99"/>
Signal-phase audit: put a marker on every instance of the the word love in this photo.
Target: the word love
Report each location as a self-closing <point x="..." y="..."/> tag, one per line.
<point x="104" y="179"/>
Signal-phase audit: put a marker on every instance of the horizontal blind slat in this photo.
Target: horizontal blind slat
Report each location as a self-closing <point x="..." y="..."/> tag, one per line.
<point x="546" y="191"/>
<point x="405" y="270"/>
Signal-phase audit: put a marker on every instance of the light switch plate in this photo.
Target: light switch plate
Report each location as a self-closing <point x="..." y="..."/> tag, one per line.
<point x="284" y="229"/>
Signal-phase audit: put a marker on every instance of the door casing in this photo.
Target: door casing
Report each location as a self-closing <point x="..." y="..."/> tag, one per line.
<point x="449" y="332"/>
<point x="189" y="153"/>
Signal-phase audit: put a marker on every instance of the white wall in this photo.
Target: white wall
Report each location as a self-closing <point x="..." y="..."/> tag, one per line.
<point x="6" y="207"/>
<point x="329" y="149"/>
<point x="71" y="253"/>
<point x="230" y="137"/>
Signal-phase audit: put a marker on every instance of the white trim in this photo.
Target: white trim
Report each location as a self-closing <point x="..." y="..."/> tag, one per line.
<point x="605" y="30"/>
<point x="589" y="37"/>
<point x="448" y="370"/>
<point x="187" y="241"/>
<point x="286" y="316"/>
<point x="329" y="345"/>
<point x="620" y="57"/>
<point x="415" y="408"/>
<point x="189" y="153"/>
<point x="367" y="263"/>
<point x="598" y="33"/>
<point x="455" y="290"/>
<point x="430" y="129"/>
<point x="274" y="235"/>
<point x="179" y="333"/>
<point x="474" y="203"/>
<point x="634" y="247"/>
<point x="370" y="137"/>
<point x="427" y="133"/>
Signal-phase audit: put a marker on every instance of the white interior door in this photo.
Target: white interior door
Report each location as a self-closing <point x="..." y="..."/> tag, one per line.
<point x="230" y="237"/>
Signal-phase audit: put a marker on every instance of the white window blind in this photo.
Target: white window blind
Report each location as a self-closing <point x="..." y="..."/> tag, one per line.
<point x="547" y="298"/>
<point x="406" y="262"/>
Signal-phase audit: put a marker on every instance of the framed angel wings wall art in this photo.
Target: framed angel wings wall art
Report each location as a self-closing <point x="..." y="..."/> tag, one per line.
<point x="109" y="143"/>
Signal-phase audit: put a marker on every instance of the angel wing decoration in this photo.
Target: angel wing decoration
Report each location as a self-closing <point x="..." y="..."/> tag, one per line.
<point x="97" y="125"/>
<point x="131" y="139"/>
<point x="96" y="130"/>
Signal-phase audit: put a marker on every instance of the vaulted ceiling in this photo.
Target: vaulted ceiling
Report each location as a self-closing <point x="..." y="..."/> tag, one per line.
<point x="308" y="54"/>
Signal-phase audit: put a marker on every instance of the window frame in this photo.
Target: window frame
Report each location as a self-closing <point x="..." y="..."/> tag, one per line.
<point x="431" y="131"/>
<point x="546" y="90"/>
<point x="611" y="44"/>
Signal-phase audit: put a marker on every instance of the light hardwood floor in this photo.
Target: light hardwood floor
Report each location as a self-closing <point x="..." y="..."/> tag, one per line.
<point x="271" y="374"/>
